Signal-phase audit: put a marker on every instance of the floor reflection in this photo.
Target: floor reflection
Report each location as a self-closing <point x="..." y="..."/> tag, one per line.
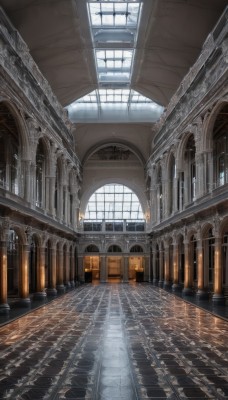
<point x="115" y="341"/>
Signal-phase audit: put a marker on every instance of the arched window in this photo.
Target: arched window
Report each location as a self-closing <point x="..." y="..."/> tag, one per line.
<point x="136" y="249"/>
<point x="40" y="175"/>
<point x="9" y="151"/>
<point x="114" y="202"/>
<point x="220" y="147"/>
<point x="92" y="249"/>
<point x="114" y="248"/>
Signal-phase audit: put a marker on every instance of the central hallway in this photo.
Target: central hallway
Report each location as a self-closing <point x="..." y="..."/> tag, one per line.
<point x="115" y="341"/>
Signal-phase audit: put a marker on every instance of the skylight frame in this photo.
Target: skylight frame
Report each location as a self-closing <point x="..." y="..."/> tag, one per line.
<point x="103" y="14"/>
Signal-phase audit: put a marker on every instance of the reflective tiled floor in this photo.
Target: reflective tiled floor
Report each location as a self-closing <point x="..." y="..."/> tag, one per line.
<point x="115" y="341"/>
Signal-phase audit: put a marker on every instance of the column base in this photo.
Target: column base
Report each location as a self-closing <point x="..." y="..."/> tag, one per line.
<point x="160" y="283"/>
<point x="176" y="287"/>
<point x="202" y="294"/>
<point x="4" y="309"/>
<point x="52" y="292"/>
<point x="72" y="284"/>
<point x="218" y="300"/>
<point x="155" y="281"/>
<point x="166" y="284"/>
<point x="25" y="303"/>
<point x="60" y="289"/>
<point x="40" y="296"/>
<point x="187" y="292"/>
<point x="67" y="285"/>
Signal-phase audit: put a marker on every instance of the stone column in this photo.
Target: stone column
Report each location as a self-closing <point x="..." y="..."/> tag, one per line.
<point x="40" y="293"/>
<point x="166" y="284"/>
<point x="161" y="266"/>
<point x="27" y="179"/>
<point x="175" y="285"/>
<point x="125" y="269"/>
<point x="60" y="286"/>
<point x="202" y="293"/>
<point x="52" y="195"/>
<point x="81" y="273"/>
<point x="51" y="290"/>
<point x="218" y="297"/>
<point x="67" y="266"/>
<point x="72" y="274"/>
<point x="187" y="291"/>
<point x="4" y="306"/>
<point x="154" y="261"/>
<point x="103" y="269"/>
<point x="146" y="262"/>
<point x="24" y="277"/>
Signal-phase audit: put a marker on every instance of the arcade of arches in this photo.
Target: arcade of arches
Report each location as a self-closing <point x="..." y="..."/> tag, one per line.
<point x="183" y="242"/>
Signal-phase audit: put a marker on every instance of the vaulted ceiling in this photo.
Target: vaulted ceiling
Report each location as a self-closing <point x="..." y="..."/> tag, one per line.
<point x="170" y="38"/>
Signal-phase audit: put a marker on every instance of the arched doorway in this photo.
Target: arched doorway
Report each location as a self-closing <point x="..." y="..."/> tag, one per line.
<point x="135" y="263"/>
<point x="92" y="263"/>
<point x="115" y="263"/>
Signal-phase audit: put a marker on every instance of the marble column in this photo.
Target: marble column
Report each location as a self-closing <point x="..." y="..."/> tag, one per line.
<point x="72" y="274"/>
<point x="161" y="266"/>
<point x="187" y="291"/>
<point x="60" y="286"/>
<point x="67" y="266"/>
<point x="81" y="270"/>
<point x="52" y="195"/>
<point x="154" y="263"/>
<point x="218" y="297"/>
<point x="4" y="306"/>
<point x="40" y="293"/>
<point x="51" y="290"/>
<point x="201" y="293"/>
<point x="176" y="284"/>
<point x="27" y="179"/>
<point x="24" y="300"/>
<point x="103" y="269"/>
<point x="125" y="269"/>
<point x="166" y="283"/>
<point x="146" y="268"/>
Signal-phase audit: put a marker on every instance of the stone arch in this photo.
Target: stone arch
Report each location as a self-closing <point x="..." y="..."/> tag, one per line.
<point x="21" y="126"/>
<point x="181" y="149"/>
<point x="208" y="125"/>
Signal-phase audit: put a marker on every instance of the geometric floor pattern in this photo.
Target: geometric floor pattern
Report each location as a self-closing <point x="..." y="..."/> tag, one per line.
<point x="115" y="342"/>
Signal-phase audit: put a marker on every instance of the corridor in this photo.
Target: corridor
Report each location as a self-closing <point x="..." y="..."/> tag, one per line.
<point x="115" y="341"/>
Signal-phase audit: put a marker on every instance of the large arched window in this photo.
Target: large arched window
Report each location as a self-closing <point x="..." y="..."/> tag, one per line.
<point x="116" y="208"/>
<point x="114" y="202"/>
<point x="9" y="151"/>
<point x="220" y="147"/>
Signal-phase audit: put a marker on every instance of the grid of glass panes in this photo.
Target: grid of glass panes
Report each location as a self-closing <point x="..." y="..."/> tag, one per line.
<point x="114" y="14"/>
<point x="114" y="64"/>
<point x="114" y="202"/>
<point x="114" y="96"/>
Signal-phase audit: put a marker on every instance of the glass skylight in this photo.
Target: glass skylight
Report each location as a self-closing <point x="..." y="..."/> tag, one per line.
<point x="114" y="65"/>
<point x="114" y="202"/>
<point x="126" y="105"/>
<point x="114" y="29"/>
<point x="114" y="14"/>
